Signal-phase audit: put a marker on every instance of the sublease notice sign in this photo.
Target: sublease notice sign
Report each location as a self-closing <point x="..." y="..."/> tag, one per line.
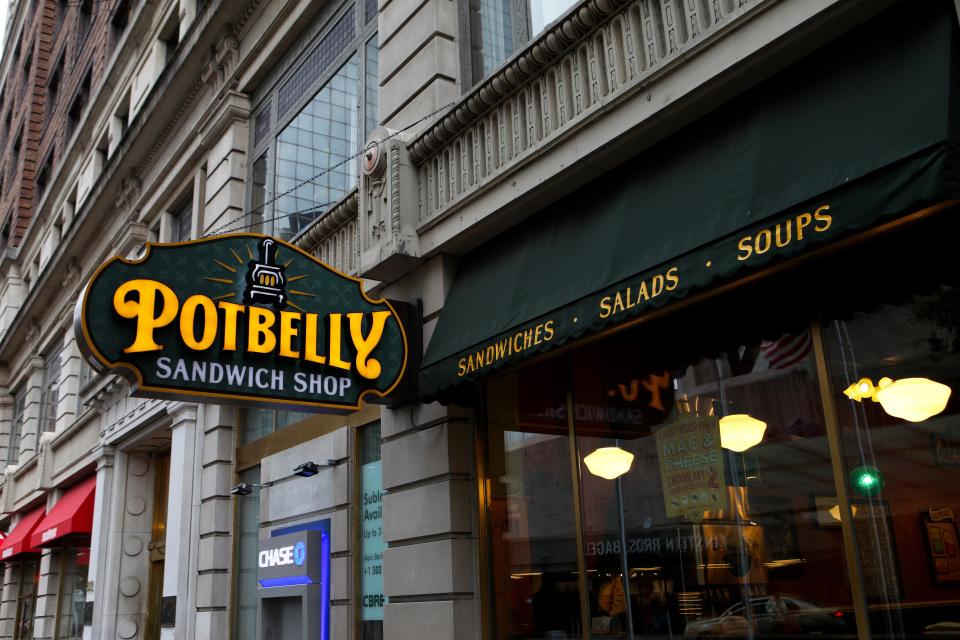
<point x="244" y="318"/>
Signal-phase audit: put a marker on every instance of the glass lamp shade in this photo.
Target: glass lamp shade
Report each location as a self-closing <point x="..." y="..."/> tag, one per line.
<point x="835" y="511"/>
<point x="739" y="432"/>
<point x="609" y="462"/>
<point x="913" y="399"/>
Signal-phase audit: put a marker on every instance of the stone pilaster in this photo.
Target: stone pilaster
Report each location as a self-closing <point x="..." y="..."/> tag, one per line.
<point x="8" y="599"/>
<point x="33" y="393"/>
<point x="180" y="501"/>
<point x="226" y="165"/>
<point x="123" y="562"/>
<point x="428" y="567"/>
<point x="419" y="59"/>
<point x="100" y="543"/>
<point x="45" y="614"/>
<point x="214" y="558"/>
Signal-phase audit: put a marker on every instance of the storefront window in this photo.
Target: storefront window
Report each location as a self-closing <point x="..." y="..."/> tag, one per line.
<point x="695" y="538"/>
<point x="26" y="599"/>
<point x="535" y="574"/>
<point x="73" y="593"/>
<point x="903" y="474"/>
<point x="248" y="537"/>
<point x="259" y="423"/>
<point x="372" y="544"/>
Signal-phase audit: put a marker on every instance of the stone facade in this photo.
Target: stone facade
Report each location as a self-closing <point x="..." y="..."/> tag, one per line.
<point x="156" y="106"/>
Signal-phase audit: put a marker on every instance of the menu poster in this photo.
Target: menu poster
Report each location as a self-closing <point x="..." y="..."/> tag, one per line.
<point x="942" y="544"/>
<point x="691" y="468"/>
<point x="371" y="543"/>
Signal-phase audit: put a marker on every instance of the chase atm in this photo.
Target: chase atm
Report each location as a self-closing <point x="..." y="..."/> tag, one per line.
<point x="293" y="584"/>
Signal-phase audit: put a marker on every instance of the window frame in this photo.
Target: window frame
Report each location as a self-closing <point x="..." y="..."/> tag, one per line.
<point x="16" y="424"/>
<point x="265" y="100"/>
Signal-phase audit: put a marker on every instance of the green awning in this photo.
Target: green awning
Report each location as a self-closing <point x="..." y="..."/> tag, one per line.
<point x="857" y="134"/>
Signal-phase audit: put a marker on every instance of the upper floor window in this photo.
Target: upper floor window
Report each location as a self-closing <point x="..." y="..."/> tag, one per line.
<point x="50" y="394"/>
<point x="16" y="422"/>
<point x="311" y="120"/>
<point x="498" y="28"/>
<point x="181" y="221"/>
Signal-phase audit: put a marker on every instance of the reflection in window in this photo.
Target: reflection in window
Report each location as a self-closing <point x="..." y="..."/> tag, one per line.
<point x="371" y="91"/>
<point x="73" y="592"/>
<point x="534" y="553"/>
<point x="321" y="137"/>
<point x="259" y="423"/>
<point x="906" y="524"/>
<point x="501" y="27"/>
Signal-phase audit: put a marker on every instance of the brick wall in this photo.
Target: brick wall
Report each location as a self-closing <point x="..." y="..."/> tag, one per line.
<point x="68" y="42"/>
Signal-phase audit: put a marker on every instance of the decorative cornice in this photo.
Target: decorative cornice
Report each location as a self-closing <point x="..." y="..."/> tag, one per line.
<point x="185" y="104"/>
<point x="335" y="217"/>
<point x="545" y="50"/>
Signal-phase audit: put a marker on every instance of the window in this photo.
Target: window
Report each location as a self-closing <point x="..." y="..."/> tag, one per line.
<point x="43" y="176"/>
<point x="119" y="20"/>
<point x="311" y="120"/>
<point x="16" y="424"/>
<point x="50" y="393"/>
<point x="85" y="377"/>
<point x="181" y="221"/>
<point x="259" y="423"/>
<point x="84" y="21"/>
<point x="74" y="570"/>
<point x="248" y="538"/>
<point x="498" y="28"/>
<point x="170" y="34"/>
<point x="79" y="103"/>
<point x="53" y="90"/>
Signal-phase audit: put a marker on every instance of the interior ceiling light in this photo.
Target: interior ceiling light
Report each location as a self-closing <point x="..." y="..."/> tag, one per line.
<point x="912" y="399"/>
<point x="739" y="431"/>
<point x="609" y="462"/>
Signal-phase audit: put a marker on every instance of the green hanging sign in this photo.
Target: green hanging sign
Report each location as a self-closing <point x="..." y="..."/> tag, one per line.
<point x="241" y="318"/>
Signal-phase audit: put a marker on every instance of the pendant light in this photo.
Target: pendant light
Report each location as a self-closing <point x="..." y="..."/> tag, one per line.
<point x="912" y="399"/>
<point x="740" y="431"/>
<point x="609" y="462"/>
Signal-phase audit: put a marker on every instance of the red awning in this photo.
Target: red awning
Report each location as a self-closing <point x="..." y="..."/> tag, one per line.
<point x="73" y="513"/>
<point x="18" y="540"/>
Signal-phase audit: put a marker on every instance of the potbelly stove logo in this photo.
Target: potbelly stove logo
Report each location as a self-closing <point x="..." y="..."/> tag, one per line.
<point x="242" y="318"/>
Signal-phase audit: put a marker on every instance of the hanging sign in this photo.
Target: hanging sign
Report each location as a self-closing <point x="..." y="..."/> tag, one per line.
<point x="241" y="318"/>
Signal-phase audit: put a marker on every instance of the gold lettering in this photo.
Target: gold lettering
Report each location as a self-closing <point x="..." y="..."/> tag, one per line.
<point x="287" y="333"/>
<point x="335" y="342"/>
<point x="767" y="239"/>
<point x="672" y="278"/>
<point x="746" y="247"/>
<point x="230" y="312"/>
<point x="188" y="315"/>
<point x="604" y="306"/>
<point x="461" y="367"/>
<point x="643" y="292"/>
<point x="656" y="286"/>
<point x="310" y="340"/>
<point x="803" y="221"/>
<point x="527" y="338"/>
<point x="368" y="367"/>
<point x="617" y="302"/>
<point x="145" y="311"/>
<point x="548" y="330"/>
<point x="789" y="226"/>
<point x="825" y="218"/>
<point x="517" y="349"/>
<point x="260" y="339"/>
<point x="536" y="334"/>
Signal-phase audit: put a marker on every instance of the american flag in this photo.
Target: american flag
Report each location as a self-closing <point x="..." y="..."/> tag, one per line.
<point x="787" y="350"/>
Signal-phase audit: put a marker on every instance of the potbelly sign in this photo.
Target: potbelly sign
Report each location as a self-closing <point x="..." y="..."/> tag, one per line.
<point x="241" y="318"/>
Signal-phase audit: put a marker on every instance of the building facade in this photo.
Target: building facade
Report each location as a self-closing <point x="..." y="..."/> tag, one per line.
<point x="686" y="318"/>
